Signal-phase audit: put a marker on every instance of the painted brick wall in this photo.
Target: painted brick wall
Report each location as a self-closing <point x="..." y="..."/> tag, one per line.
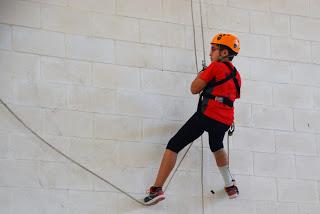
<point x="107" y="82"/>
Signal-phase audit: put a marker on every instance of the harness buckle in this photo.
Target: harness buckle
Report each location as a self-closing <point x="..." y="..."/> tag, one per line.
<point x="219" y="99"/>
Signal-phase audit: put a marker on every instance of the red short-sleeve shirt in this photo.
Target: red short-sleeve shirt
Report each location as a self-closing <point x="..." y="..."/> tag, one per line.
<point x="214" y="109"/>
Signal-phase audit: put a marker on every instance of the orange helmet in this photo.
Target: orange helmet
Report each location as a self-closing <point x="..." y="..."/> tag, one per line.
<point x="228" y="40"/>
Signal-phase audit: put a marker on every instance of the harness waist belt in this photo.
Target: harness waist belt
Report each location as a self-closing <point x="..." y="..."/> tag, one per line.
<point x="224" y="100"/>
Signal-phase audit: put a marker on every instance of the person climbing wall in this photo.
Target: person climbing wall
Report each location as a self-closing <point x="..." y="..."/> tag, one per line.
<point x="219" y="85"/>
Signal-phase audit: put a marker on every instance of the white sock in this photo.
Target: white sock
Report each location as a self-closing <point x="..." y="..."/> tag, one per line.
<point x="224" y="170"/>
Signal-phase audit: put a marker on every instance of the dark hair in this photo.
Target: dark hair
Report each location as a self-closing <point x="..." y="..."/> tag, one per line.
<point x="230" y="51"/>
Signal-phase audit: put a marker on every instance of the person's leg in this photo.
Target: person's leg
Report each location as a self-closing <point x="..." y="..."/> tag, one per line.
<point x="221" y="157"/>
<point x="168" y="162"/>
<point x="216" y="136"/>
<point x="190" y="131"/>
<point x="216" y="145"/>
<point x="223" y="165"/>
<point x="156" y="193"/>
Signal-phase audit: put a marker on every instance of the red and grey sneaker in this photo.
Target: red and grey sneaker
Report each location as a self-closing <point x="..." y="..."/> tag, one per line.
<point x="155" y="194"/>
<point x="232" y="191"/>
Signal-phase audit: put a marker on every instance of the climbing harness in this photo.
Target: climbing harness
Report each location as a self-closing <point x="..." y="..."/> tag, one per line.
<point x="206" y="93"/>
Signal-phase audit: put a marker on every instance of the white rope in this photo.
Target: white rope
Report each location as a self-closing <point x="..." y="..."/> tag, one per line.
<point x="202" y="34"/>
<point x="202" y="150"/>
<point x="196" y="61"/>
<point x="67" y="157"/>
<point x="203" y="64"/>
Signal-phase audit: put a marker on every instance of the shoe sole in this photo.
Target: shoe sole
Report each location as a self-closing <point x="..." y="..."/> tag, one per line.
<point x="155" y="201"/>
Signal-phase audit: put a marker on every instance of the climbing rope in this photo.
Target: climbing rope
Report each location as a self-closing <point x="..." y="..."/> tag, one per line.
<point x="196" y="61"/>
<point x="203" y="66"/>
<point x="66" y="156"/>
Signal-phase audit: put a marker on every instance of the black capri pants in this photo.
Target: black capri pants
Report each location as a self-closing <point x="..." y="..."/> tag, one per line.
<point x="194" y="128"/>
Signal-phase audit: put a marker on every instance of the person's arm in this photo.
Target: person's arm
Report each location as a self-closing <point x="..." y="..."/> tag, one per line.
<point x="197" y="85"/>
<point x="201" y="81"/>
